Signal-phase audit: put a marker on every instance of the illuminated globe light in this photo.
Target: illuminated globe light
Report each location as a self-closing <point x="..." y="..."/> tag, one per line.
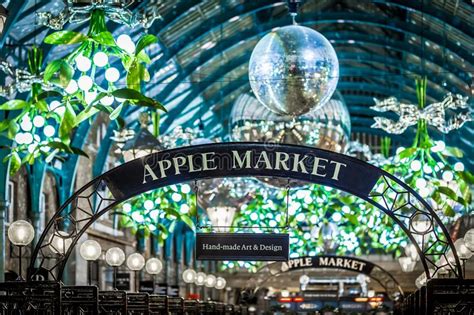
<point x="114" y="256"/>
<point x="90" y="250"/>
<point x="184" y="208"/>
<point x="101" y="59"/>
<point x="85" y="83"/>
<point x="83" y="63"/>
<point x="127" y="207"/>
<point x="220" y="283"/>
<point x="107" y="100"/>
<point x="49" y="131"/>
<point x="112" y="75"/>
<point x="399" y="150"/>
<point x="19" y="138"/>
<point x="185" y="189"/>
<point x="189" y="276"/>
<point x="90" y="97"/>
<point x="448" y="176"/>
<point x="254" y="216"/>
<point x="71" y="87"/>
<point x="54" y="105"/>
<point x="463" y="251"/>
<point x="415" y="165"/>
<point x="27" y="138"/>
<point x="38" y="121"/>
<point x="459" y="167"/>
<point x="26" y="124"/>
<point x="125" y="42"/>
<point x="135" y="262"/>
<point x="32" y="147"/>
<point x="300" y="217"/>
<point x="304" y="280"/>
<point x="439" y="146"/>
<point x="200" y="279"/>
<point x="59" y="242"/>
<point x="293" y="70"/>
<point x="153" y="266"/>
<point x="138" y="217"/>
<point x="427" y="169"/>
<point x="336" y="217"/>
<point x="469" y="239"/>
<point x="176" y="197"/>
<point x="420" y="183"/>
<point x="21" y="233"/>
<point x="154" y="215"/>
<point x="149" y="204"/>
<point x="210" y="281"/>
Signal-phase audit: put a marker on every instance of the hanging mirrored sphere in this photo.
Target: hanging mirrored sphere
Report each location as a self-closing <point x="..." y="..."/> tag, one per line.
<point x="327" y="128"/>
<point x="293" y="70"/>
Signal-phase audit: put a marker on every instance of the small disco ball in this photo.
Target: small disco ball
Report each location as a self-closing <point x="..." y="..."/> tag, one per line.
<point x="293" y="70"/>
<point x="327" y="128"/>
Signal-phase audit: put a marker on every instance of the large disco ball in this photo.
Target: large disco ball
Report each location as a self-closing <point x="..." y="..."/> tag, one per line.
<point x="327" y="128"/>
<point x="293" y="70"/>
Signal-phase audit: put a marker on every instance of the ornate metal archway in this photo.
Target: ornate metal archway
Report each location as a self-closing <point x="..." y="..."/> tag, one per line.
<point x="353" y="264"/>
<point x="301" y="163"/>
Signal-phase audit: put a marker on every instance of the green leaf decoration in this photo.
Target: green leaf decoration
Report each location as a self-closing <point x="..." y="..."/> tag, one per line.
<point x="143" y="57"/>
<point x="128" y="94"/>
<point x="104" y="38"/>
<point x="48" y="94"/>
<point x="448" y="192"/>
<point x="12" y="129"/>
<point x="188" y="221"/>
<point x="84" y="115"/>
<point x="15" y="163"/>
<point x="14" y="105"/>
<point x="452" y="151"/>
<point x="65" y="148"/>
<point x="41" y="105"/>
<point x="61" y="69"/>
<point x="407" y="153"/>
<point x="67" y="124"/>
<point x="144" y="42"/>
<point x="133" y="76"/>
<point x="116" y="112"/>
<point x="4" y="124"/>
<point x="65" y="38"/>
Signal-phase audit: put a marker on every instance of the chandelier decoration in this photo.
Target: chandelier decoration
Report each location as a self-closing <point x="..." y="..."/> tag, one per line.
<point x="435" y="114"/>
<point x="77" y="11"/>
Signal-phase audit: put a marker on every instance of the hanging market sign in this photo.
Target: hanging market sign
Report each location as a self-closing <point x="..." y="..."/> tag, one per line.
<point x="242" y="160"/>
<point x="336" y="262"/>
<point x="242" y="246"/>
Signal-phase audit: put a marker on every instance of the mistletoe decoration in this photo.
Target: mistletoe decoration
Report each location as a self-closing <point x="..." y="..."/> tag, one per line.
<point x="80" y="85"/>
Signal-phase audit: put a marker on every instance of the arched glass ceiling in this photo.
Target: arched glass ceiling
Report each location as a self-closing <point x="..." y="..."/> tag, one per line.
<point x="200" y="66"/>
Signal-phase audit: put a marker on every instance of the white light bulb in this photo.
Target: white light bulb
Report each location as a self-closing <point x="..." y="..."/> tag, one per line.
<point x="28" y="138"/>
<point x="21" y="233"/>
<point x="336" y="217"/>
<point x="19" y="138"/>
<point x="459" y="167"/>
<point x="424" y="192"/>
<point x="415" y="165"/>
<point x="420" y="183"/>
<point x="185" y="189"/>
<point x="189" y="276"/>
<point x="26" y="124"/>
<point x="448" y="176"/>
<point x="176" y="197"/>
<point x="71" y="88"/>
<point x="49" y="131"/>
<point x="83" y="63"/>
<point x="127" y="207"/>
<point x="184" y="208"/>
<point x="154" y="266"/>
<point x="90" y="250"/>
<point x="148" y="204"/>
<point x="38" y="121"/>
<point x="101" y="59"/>
<point x="89" y="97"/>
<point x="112" y="74"/>
<point x="125" y="42"/>
<point x="85" y="83"/>
<point x="114" y="256"/>
<point x="107" y="100"/>
<point x="54" y="104"/>
<point x="427" y="169"/>
<point x="32" y="147"/>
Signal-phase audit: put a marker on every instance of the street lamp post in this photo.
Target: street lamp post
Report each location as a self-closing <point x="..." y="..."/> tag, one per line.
<point x="136" y="262"/>
<point x="153" y="267"/>
<point x="90" y="250"/>
<point x="20" y="233"/>
<point x="114" y="257"/>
